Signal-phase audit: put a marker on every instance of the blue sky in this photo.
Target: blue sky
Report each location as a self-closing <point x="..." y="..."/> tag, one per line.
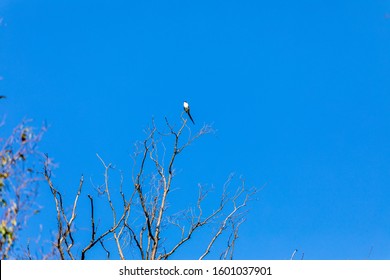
<point x="298" y="93"/>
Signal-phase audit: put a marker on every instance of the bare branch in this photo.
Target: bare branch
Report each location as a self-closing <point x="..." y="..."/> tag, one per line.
<point x="143" y="228"/>
<point x="293" y="254"/>
<point x="64" y="225"/>
<point x="111" y="230"/>
<point x="237" y="206"/>
<point x="229" y="251"/>
<point x="104" y="248"/>
<point x="93" y="230"/>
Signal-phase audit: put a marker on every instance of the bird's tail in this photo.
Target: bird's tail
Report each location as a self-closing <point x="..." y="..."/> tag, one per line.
<point x="191" y="118"/>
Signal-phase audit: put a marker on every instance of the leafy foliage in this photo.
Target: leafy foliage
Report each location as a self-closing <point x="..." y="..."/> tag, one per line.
<point x="18" y="183"/>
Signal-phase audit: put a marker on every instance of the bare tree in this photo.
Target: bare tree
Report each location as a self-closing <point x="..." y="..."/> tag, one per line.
<point x="18" y="184"/>
<point x="143" y="223"/>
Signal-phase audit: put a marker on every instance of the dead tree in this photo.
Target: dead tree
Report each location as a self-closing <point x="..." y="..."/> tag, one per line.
<point x="140" y="218"/>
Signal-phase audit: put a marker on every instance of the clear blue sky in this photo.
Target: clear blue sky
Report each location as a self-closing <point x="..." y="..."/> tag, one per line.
<point x="298" y="91"/>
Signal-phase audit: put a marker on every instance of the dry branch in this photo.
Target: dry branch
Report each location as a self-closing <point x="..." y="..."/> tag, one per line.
<point x="140" y="228"/>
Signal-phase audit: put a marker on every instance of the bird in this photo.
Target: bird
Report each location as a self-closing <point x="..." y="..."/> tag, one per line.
<point x="3" y="96"/>
<point x="187" y="110"/>
<point x="23" y="137"/>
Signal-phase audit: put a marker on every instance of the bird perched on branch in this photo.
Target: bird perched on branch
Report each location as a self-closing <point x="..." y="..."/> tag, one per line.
<point x="187" y="110"/>
<point x="24" y="136"/>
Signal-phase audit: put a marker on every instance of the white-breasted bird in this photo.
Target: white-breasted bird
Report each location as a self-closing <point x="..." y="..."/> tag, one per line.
<point x="187" y="110"/>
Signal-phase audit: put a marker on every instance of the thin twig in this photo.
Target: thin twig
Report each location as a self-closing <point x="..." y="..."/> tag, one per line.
<point x="293" y="254"/>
